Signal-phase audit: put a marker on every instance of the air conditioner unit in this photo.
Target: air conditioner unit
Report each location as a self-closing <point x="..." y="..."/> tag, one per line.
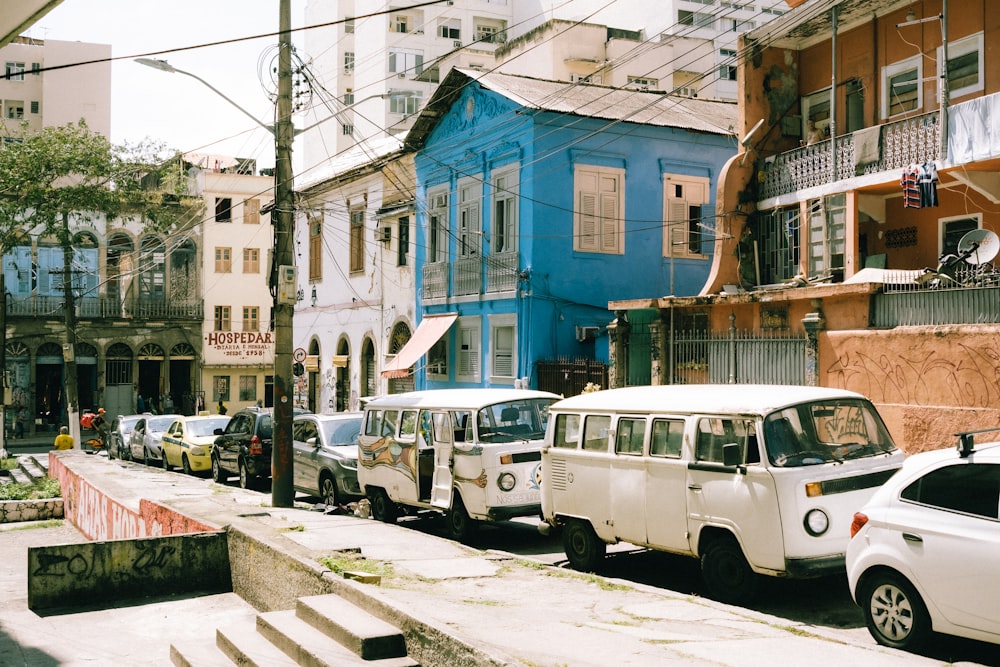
<point x="586" y="333"/>
<point x="386" y="234"/>
<point x="457" y="43"/>
<point x="402" y="75"/>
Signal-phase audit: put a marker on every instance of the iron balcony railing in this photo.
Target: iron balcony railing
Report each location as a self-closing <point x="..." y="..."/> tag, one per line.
<point x="913" y="298"/>
<point x="90" y="308"/>
<point x="502" y="272"/>
<point x="897" y="145"/>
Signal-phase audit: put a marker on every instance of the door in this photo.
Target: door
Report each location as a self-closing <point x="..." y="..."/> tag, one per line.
<point x="627" y="480"/>
<point x="666" y="487"/>
<point x="444" y="445"/>
<point x="305" y="454"/>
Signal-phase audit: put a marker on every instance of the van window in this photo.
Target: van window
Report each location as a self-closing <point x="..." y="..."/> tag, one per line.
<point x="631" y="433"/>
<point x="825" y="431"/>
<point x="389" y="422"/>
<point x="714" y="432"/>
<point x="667" y="436"/>
<point x="372" y="422"/>
<point x="567" y="434"/>
<point x="595" y="433"/>
<point x="408" y="425"/>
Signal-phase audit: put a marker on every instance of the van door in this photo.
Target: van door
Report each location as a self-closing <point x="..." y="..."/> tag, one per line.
<point x="666" y="486"/>
<point x="444" y="446"/>
<point x="745" y="502"/>
<point x="628" y="480"/>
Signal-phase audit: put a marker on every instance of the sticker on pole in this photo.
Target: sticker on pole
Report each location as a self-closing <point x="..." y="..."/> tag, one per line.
<point x="299" y="354"/>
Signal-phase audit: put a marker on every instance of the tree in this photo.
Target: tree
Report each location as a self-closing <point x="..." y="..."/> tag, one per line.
<point x="60" y="177"/>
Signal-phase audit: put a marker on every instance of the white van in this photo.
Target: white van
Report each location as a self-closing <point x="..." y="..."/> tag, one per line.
<point x="750" y="479"/>
<point x="472" y="453"/>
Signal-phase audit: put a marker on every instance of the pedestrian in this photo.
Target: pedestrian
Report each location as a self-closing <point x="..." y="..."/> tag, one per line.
<point x="64" y="440"/>
<point x="18" y="425"/>
<point x="222" y="407"/>
<point x="140" y="405"/>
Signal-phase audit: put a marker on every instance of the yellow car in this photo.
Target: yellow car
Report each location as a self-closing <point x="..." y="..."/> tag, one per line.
<point x="188" y="442"/>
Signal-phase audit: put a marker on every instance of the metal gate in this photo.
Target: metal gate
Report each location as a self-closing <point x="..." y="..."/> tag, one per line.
<point x="569" y="377"/>
<point x="739" y="357"/>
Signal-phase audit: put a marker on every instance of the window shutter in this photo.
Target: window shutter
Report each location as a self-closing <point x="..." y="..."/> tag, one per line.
<point x="503" y="352"/>
<point x="588" y="221"/>
<point x="609" y="222"/>
<point x="676" y="230"/>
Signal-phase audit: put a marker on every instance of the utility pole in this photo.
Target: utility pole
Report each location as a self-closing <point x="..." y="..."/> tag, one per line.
<point x="283" y="214"/>
<point x="69" y="348"/>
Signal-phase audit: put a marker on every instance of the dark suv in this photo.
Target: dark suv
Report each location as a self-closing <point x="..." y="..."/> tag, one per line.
<point x="244" y="448"/>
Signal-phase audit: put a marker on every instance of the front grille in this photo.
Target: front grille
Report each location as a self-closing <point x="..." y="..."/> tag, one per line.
<point x="848" y="484"/>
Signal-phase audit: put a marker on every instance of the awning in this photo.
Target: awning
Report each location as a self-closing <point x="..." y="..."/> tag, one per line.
<point x="431" y="328"/>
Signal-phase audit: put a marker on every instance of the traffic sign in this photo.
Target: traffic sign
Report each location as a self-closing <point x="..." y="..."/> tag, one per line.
<point x="299" y="354"/>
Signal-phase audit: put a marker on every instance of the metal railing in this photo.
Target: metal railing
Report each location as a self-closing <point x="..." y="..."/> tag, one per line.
<point x="435" y="280"/>
<point x="467" y="275"/>
<point x="740" y="357"/>
<point x="909" y="298"/>
<point x="501" y="272"/>
<point x="90" y="308"/>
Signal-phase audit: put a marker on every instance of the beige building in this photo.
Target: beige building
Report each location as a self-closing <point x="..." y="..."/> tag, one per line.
<point x="39" y="91"/>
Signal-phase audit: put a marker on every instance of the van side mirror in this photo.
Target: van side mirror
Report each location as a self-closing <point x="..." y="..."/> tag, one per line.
<point x="731" y="456"/>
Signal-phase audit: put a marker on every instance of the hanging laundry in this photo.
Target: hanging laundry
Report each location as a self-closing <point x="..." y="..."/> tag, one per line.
<point x="911" y="187"/>
<point x="927" y="178"/>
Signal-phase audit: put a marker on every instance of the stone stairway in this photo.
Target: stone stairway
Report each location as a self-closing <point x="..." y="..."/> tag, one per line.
<point x="322" y="630"/>
<point x="29" y="469"/>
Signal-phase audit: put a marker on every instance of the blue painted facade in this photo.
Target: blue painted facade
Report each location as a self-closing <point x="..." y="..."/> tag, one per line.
<point x="552" y="292"/>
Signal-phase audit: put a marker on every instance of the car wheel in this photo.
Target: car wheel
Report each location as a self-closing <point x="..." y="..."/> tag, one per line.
<point x="894" y="612"/>
<point x="186" y="465"/>
<point x="584" y="550"/>
<point x="383" y="509"/>
<point x="246" y="481"/>
<point x="219" y="476"/>
<point x="328" y="491"/>
<point x="145" y="456"/>
<point x="461" y="526"/>
<point x="726" y="572"/>
<point x="125" y="453"/>
<point x="164" y="462"/>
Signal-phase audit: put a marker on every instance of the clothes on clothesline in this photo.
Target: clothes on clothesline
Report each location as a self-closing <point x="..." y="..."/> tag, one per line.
<point x="919" y="183"/>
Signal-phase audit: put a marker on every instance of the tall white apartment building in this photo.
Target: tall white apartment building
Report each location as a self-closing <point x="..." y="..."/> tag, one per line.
<point x="36" y="91"/>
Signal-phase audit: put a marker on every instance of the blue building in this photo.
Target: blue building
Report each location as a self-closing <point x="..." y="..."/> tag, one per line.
<point x="538" y="202"/>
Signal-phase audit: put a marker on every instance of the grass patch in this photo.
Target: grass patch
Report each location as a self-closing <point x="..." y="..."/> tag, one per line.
<point x="43" y="489"/>
<point x="597" y="580"/>
<point x="483" y="602"/>
<point x="298" y="528"/>
<point x="31" y="525"/>
<point x="8" y="462"/>
<point x="356" y="563"/>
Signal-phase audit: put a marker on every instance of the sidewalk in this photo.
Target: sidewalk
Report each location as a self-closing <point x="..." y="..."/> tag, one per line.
<point x="483" y="607"/>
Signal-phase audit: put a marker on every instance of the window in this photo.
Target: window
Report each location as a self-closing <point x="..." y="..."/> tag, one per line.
<point x="965" y="65"/>
<point x="970" y="488"/>
<point x="952" y="231"/>
<point x="450" y="29"/>
<point x="491" y="32"/>
<point x="826" y="236"/>
<point x="348" y="62"/>
<point x="727" y="72"/>
<point x="152" y="270"/>
<point x="251" y="212"/>
<point x="437" y="358"/>
<point x="35" y="107"/>
<point x="567" y="433"/>
<point x="503" y="348"/>
<point x="220" y="388"/>
<point x="400" y="23"/>
<point x="406" y="61"/>
<point x="505" y="193"/>
<point x="315" y="247"/>
<point x="15" y="71"/>
<point x="223" y="209"/>
<point x="469" y="219"/>
<point x="696" y="19"/>
<point x="223" y="260"/>
<point x="816" y="110"/>
<point x="598" y="224"/>
<point x="403" y="247"/>
<point x="631" y="433"/>
<point x="251" y="318"/>
<point x="716" y="432"/>
<point x="349" y="25"/>
<point x="437" y="227"/>
<point x="349" y="97"/>
<point x="404" y="104"/>
<point x="251" y="260"/>
<point x="357" y="239"/>
<point x="248" y="388"/>
<point x="666" y="438"/>
<point x="347" y="130"/>
<point x="595" y="433"/>
<point x="14" y="110"/>
<point x="684" y="234"/>
<point x="901" y="89"/>
<point x="222" y="318"/>
<point x="468" y="349"/>
<point x="642" y="82"/>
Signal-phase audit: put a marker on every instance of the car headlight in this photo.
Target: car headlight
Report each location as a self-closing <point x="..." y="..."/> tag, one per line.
<point x="506" y="481"/>
<point x="816" y="522"/>
<point x="349" y="464"/>
<point x="198" y="450"/>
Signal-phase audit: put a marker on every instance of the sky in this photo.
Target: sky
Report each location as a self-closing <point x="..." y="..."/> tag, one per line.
<point x="174" y="109"/>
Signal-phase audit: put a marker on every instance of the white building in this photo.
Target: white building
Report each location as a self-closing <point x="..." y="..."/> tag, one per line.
<point x="36" y="91"/>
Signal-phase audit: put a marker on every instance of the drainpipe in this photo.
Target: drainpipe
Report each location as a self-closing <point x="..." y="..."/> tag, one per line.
<point x="944" y="80"/>
<point x="833" y="97"/>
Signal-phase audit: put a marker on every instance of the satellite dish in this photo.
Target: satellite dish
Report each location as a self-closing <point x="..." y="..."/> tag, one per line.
<point x="979" y="246"/>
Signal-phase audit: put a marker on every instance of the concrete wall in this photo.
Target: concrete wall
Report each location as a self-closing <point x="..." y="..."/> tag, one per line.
<point x="30" y="510"/>
<point x="71" y="575"/>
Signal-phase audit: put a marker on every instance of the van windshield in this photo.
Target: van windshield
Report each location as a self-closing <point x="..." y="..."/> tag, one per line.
<point x="824" y="432"/>
<point x="512" y="421"/>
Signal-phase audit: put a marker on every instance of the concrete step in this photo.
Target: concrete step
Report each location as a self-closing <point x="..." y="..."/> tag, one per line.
<point x="32" y="468"/>
<point x="248" y="648"/>
<point x="349" y="625"/>
<point x="310" y="647"/>
<point x="198" y="654"/>
<point x="19" y="476"/>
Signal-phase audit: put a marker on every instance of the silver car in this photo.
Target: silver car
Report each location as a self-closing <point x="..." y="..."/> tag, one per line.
<point x="119" y="435"/>
<point x="147" y="437"/>
<point x="326" y="456"/>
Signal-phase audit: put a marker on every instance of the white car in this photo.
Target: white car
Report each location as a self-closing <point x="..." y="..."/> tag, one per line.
<point x="923" y="557"/>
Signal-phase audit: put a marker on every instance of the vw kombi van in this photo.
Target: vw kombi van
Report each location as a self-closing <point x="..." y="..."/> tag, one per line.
<point x="750" y="479"/>
<point x="473" y="453"/>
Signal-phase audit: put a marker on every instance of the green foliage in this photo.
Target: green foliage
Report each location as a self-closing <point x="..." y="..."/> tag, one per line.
<point x="47" y="487"/>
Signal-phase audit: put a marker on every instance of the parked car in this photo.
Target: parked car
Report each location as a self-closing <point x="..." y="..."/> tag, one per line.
<point x="244" y="447"/>
<point x="923" y="553"/>
<point x="119" y="434"/>
<point x="188" y="442"/>
<point x="325" y="451"/>
<point x="147" y="437"/>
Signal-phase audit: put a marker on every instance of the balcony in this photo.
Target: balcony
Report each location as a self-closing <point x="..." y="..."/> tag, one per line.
<point x="51" y="307"/>
<point x="467" y="276"/>
<point x="882" y="148"/>
<point x="435" y="280"/>
<point x="502" y="271"/>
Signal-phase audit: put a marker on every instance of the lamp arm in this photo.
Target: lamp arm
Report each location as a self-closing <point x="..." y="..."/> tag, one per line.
<point x="269" y="128"/>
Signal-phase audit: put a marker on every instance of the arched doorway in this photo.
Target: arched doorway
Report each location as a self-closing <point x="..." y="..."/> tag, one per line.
<point x="19" y="367"/>
<point x="86" y="376"/>
<point x="151" y="376"/>
<point x="400" y="337"/>
<point x="50" y="399"/>
<point x="181" y="389"/>
<point x="119" y="391"/>
<point x="343" y="378"/>
<point x="369" y="378"/>
<point x="312" y="380"/>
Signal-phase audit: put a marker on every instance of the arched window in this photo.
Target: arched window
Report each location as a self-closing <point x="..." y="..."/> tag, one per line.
<point x="183" y="271"/>
<point x="18" y="268"/>
<point x="84" y="268"/>
<point x="119" y="262"/>
<point x="152" y="270"/>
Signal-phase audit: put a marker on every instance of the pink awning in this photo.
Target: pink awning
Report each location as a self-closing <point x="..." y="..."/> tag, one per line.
<point x="430" y="330"/>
